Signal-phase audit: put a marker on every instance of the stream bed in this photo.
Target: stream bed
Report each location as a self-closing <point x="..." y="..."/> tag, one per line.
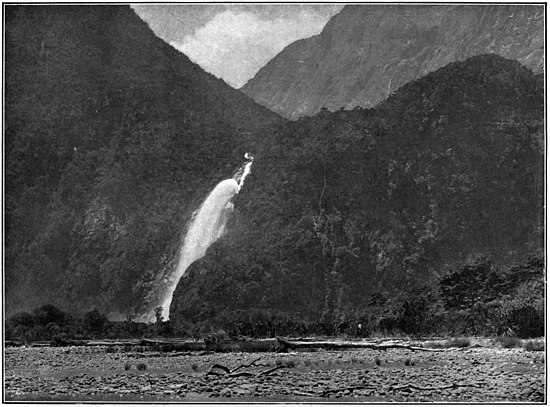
<point x="477" y="374"/>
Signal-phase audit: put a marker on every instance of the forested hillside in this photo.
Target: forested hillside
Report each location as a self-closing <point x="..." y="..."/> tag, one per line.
<point x="424" y="213"/>
<point x="112" y="137"/>
<point x="367" y="51"/>
<point x="352" y="211"/>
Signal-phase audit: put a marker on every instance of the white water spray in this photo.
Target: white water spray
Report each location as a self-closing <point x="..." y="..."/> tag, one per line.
<point x="207" y="226"/>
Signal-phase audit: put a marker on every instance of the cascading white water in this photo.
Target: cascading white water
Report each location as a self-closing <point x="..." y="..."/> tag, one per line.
<point x="207" y="226"/>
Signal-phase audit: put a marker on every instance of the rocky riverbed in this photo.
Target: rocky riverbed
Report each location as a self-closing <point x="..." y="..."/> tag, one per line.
<point x="481" y="374"/>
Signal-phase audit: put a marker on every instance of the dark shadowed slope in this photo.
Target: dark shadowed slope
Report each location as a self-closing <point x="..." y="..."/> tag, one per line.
<point x="366" y="52"/>
<point x="343" y="208"/>
<point x="111" y="137"/>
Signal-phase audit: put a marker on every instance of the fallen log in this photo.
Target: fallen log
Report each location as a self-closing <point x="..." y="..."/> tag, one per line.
<point x="305" y="393"/>
<point x="242" y="366"/>
<point x="284" y="345"/>
<point x="218" y="366"/>
<point x="111" y="343"/>
<point x="447" y="386"/>
<point x="256" y="374"/>
<point x="325" y="393"/>
<point x="234" y="372"/>
<point x="13" y="343"/>
<point x="269" y="371"/>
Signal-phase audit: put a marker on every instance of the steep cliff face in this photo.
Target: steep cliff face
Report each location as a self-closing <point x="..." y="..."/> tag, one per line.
<point x="111" y="135"/>
<point x="366" y="52"/>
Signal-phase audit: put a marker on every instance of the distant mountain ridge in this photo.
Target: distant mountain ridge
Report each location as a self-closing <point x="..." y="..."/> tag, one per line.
<point x="366" y="52"/>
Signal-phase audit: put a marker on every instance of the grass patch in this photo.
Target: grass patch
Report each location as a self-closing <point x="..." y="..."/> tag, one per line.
<point x="534" y="346"/>
<point x="458" y="343"/>
<point x="508" y="342"/>
<point x="433" y="345"/>
<point x="449" y="343"/>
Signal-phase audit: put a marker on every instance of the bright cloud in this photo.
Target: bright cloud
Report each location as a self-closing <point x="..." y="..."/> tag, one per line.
<point x="234" y="45"/>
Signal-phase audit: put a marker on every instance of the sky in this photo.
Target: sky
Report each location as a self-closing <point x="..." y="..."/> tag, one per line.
<point x="234" y="41"/>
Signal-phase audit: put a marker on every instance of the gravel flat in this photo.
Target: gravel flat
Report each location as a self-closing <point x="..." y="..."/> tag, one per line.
<point x="365" y="375"/>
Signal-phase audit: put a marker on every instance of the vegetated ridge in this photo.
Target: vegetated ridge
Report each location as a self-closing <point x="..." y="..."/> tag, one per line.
<point x="387" y="216"/>
<point x="366" y="52"/>
<point x="112" y="138"/>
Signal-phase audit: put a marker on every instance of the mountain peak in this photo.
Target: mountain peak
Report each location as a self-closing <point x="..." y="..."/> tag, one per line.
<point x="365" y="52"/>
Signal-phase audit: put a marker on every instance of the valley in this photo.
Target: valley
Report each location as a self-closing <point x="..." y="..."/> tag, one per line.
<point x="398" y="190"/>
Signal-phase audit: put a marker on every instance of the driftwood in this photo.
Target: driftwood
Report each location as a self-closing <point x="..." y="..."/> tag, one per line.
<point x="447" y="386"/>
<point x="234" y="372"/>
<point x="287" y="344"/>
<point x="227" y="370"/>
<point x="327" y="392"/>
<point x="253" y="374"/>
<point x="242" y="366"/>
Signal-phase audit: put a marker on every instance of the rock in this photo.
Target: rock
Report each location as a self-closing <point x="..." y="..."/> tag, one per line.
<point x="526" y="392"/>
<point x="226" y="392"/>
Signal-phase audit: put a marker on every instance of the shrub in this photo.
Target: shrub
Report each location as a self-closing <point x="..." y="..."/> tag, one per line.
<point x="377" y="361"/>
<point x="462" y="287"/>
<point x="195" y="367"/>
<point x="290" y="363"/>
<point x="95" y="323"/>
<point x="407" y="362"/>
<point x="534" y="346"/>
<point x="509" y="341"/>
<point x="58" y="340"/>
<point x="141" y="366"/>
<point x="523" y="320"/>
<point x="23" y="319"/>
<point x="49" y="313"/>
<point x="127" y="366"/>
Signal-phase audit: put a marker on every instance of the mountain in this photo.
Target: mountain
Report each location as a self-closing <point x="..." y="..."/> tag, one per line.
<point x="112" y="137"/>
<point x="366" y="52"/>
<point x="346" y="208"/>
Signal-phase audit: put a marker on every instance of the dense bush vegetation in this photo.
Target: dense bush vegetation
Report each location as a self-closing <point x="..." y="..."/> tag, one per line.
<point x="112" y="137"/>
<point x="412" y="218"/>
<point x="48" y="323"/>
<point x="363" y="210"/>
<point x="429" y="310"/>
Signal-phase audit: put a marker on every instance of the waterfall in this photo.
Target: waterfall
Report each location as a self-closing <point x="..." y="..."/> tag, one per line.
<point x="207" y="226"/>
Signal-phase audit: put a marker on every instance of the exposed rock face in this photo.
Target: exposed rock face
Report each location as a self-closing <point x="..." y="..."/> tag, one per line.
<point x="366" y="52"/>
